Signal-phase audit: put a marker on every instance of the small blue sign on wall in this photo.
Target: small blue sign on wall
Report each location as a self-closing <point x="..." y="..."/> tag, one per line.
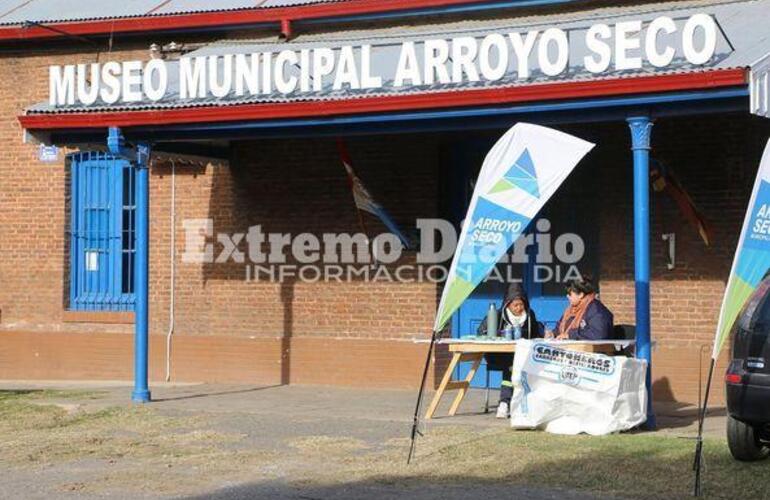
<point x="48" y="154"/>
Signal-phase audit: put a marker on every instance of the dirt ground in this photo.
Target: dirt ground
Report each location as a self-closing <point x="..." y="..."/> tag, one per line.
<point x="82" y="440"/>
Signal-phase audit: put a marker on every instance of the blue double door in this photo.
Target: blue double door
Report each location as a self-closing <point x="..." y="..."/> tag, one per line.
<point x="536" y="267"/>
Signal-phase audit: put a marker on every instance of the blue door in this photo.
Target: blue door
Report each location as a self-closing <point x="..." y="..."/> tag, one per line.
<point x="543" y="278"/>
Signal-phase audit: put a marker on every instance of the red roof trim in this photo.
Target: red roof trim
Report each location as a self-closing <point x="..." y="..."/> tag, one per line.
<point x="225" y="18"/>
<point x="423" y="101"/>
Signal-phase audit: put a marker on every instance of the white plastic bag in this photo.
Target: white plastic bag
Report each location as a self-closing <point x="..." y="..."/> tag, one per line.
<point x="569" y="392"/>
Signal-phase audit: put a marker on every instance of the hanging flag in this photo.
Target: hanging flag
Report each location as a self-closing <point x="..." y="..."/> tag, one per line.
<point x="664" y="180"/>
<point x="752" y="257"/>
<point x="363" y="200"/>
<point x="520" y="173"/>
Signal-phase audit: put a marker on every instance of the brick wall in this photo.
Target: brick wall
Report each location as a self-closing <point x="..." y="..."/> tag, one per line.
<point x="293" y="186"/>
<point x="33" y="221"/>
<point x="284" y="185"/>
<point x="292" y="331"/>
<point x="715" y="158"/>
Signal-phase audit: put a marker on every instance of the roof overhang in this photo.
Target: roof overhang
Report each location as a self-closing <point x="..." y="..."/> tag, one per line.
<point x="704" y="80"/>
<point x="738" y="43"/>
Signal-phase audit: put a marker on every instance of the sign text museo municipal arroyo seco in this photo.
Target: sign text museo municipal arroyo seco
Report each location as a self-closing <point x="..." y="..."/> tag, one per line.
<point x="461" y="60"/>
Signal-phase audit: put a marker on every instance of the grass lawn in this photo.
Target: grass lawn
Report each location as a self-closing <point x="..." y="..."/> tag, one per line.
<point x="126" y="447"/>
<point x="132" y="445"/>
<point x="626" y="465"/>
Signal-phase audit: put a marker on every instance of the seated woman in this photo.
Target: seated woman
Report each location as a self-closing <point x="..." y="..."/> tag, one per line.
<point x="515" y="312"/>
<point x="585" y="318"/>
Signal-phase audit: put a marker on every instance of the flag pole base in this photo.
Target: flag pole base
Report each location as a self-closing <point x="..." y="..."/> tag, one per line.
<point x="698" y="461"/>
<point x="416" y="421"/>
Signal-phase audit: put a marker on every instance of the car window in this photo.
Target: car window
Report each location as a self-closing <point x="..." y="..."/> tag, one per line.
<point x="757" y="309"/>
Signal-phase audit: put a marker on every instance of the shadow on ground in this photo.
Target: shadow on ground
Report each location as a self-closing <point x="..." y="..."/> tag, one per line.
<point x="673" y="416"/>
<point x="457" y="487"/>
<point x="19" y="392"/>
<point x="214" y="393"/>
<point x="650" y="472"/>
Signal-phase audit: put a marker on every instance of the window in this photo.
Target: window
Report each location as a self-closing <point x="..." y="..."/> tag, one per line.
<point x="755" y="314"/>
<point x="102" y="246"/>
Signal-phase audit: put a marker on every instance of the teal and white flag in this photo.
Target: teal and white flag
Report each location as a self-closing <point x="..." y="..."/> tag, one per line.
<point x="520" y="173"/>
<point x="752" y="257"/>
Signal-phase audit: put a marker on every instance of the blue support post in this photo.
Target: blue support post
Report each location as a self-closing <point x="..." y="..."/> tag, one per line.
<point x="140" y="161"/>
<point x="141" y="392"/>
<point x="641" y="129"/>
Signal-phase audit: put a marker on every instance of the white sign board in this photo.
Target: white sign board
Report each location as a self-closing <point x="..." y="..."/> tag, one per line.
<point x="92" y="261"/>
<point x="599" y="49"/>
<point x="48" y="154"/>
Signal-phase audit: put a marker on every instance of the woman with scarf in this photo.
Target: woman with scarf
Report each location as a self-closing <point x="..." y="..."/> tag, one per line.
<point x="515" y="312"/>
<point x="585" y="318"/>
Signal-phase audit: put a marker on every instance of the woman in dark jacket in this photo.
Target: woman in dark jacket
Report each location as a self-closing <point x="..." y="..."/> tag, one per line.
<point x="515" y="312"/>
<point x="585" y="318"/>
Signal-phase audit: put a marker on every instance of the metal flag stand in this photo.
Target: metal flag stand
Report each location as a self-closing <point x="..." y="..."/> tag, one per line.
<point x="416" y="421"/>
<point x="698" y="463"/>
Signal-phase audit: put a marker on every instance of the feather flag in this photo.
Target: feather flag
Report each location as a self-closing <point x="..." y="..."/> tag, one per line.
<point x="520" y="173"/>
<point x="363" y="200"/>
<point x="750" y="265"/>
<point x="752" y="257"/>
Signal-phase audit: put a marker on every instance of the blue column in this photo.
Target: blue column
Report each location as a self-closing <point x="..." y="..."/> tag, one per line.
<point x="641" y="129"/>
<point x="141" y="392"/>
<point x="140" y="159"/>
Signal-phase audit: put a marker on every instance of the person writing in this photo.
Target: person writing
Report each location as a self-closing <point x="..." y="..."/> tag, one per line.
<point x="515" y="313"/>
<point x="585" y="318"/>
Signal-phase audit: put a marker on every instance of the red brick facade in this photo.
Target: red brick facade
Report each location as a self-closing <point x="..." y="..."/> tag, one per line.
<point x="715" y="157"/>
<point x="358" y="333"/>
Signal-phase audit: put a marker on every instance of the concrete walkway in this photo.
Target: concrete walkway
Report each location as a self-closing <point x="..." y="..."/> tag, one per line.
<point x="394" y="407"/>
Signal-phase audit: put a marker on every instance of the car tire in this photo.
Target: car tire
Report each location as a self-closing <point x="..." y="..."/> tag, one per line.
<point x="743" y="441"/>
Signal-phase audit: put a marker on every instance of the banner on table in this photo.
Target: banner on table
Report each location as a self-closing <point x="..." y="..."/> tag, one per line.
<point x="518" y="176"/>
<point x="752" y="257"/>
<point x="569" y="392"/>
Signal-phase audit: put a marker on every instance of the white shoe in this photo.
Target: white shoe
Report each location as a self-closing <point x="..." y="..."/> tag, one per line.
<point x="502" y="410"/>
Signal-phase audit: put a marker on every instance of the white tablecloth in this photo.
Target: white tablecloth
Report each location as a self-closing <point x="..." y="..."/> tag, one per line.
<point x="569" y="392"/>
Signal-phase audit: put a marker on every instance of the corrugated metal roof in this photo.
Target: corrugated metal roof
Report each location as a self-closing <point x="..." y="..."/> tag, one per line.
<point x="286" y="3"/>
<point x="737" y="18"/>
<point x="14" y="12"/>
<point x="185" y="6"/>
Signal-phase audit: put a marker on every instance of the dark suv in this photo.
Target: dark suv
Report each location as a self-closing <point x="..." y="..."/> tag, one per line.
<point x="748" y="379"/>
